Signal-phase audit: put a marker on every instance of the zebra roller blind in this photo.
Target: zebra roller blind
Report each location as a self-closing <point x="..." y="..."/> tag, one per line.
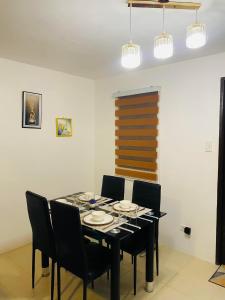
<point x="136" y="136"/>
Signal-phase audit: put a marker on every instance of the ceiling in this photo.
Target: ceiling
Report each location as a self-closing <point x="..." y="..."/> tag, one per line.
<point x="85" y="37"/>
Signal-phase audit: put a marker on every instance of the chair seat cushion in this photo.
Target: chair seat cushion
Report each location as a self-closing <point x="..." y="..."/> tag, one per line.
<point x="134" y="244"/>
<point x="99" y="259"/>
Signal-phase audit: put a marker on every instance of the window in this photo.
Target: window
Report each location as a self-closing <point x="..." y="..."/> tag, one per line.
<point x="136" y="136"/>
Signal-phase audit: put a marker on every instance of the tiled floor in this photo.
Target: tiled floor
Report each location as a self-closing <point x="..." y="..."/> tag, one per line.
<point x="182" y="277"/>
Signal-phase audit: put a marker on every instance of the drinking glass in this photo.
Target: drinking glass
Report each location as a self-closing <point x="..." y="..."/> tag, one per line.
<point x="119" y="217"/>
<point x="136" y="211"/>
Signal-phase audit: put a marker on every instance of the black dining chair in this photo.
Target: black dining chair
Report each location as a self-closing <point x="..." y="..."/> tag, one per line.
<point x="148" y="195"/>
<point x="88" y="261"/>
<point x="42" y="233"/>
<point x="113" y="187"/>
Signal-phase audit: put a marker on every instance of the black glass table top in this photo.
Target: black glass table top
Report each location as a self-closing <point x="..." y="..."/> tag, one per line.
<point x="131" y="226"/>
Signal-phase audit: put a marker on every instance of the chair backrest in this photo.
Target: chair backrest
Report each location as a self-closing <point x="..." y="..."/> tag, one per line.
<point x="147" y="194"/>
<point x="69" y="239"/>
<point x="113" y="187"/>
<point x="38" y="211"/>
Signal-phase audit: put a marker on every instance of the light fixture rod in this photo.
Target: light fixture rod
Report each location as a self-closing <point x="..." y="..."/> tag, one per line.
<point x="163" y="28"/>
<point x="131" y="22"/>
<point x="196" y="16"/>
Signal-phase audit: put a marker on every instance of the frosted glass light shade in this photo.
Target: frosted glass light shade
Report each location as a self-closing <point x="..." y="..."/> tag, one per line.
<point x="196" y="36"/>
<point x="131" y="56"/>
<point x="163" y="46"/>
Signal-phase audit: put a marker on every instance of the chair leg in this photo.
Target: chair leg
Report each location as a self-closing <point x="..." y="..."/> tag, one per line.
<point x="92" y="284"/>
<point x="157" y="248"/>
<point x="108" y="274"/>
<point x="108" y="247"/>
<point x="52" y="279"/>
<point x="33" y="266"/>
<point x="157" y="258"/>
<point x="84" y="290"/>
<point x="58" y="282"/>
<point x="135" y="273"/>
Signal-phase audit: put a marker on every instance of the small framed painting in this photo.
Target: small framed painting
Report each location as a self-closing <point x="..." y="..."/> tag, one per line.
<point x="63" y="127"/>
<point x="31" y="110"/>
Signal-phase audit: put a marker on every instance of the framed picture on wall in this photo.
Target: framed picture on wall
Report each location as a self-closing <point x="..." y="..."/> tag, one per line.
<point x="31" y="110"/>
<point x="63" y="127"/>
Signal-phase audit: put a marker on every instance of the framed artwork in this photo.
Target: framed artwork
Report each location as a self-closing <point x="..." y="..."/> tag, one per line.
<point x="63" y="127"/>
<point x="31" y="110"/>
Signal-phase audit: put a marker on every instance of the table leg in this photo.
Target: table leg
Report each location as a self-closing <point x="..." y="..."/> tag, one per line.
<point x="149" y="268"/>
<point x="115" y="270"/>
<point x="45" y="265"/>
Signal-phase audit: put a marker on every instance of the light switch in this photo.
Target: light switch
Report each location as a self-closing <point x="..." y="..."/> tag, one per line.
<point x="208" y="146"/>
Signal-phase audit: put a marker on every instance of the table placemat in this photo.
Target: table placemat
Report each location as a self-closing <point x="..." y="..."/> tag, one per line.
<point x="64" y="201"/>
<point x="141" y="211"/>
<point x="82" y="205"/>
<point x="103" y="228"/>
<point x="75" y="198"/>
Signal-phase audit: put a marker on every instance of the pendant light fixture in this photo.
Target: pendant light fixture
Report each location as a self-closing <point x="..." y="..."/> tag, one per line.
<point x="163" y="43"/>
<point x="196" y="34"/>
<point x="131" y="56"/>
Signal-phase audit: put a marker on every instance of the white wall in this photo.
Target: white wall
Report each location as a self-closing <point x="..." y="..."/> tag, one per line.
<point x="37" y="160"/>
<point x="33" y="159"/>
<point x="189" y="116"/>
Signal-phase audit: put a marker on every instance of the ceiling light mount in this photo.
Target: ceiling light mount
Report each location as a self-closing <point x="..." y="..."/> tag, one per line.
<point x="166" y="3"/>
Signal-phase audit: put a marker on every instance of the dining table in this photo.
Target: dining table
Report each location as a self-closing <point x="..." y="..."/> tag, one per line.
<point x="124" y="225"/>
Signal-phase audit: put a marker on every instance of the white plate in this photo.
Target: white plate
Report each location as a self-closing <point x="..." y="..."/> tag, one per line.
<point x="132" y="207"/>
<point x="106" y="220"/>
<point x="87" y="197"/>
<point x="64" y="201"/>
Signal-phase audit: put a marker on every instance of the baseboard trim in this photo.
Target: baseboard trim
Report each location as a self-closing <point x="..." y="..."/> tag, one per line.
<point x="15" y="244"/>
